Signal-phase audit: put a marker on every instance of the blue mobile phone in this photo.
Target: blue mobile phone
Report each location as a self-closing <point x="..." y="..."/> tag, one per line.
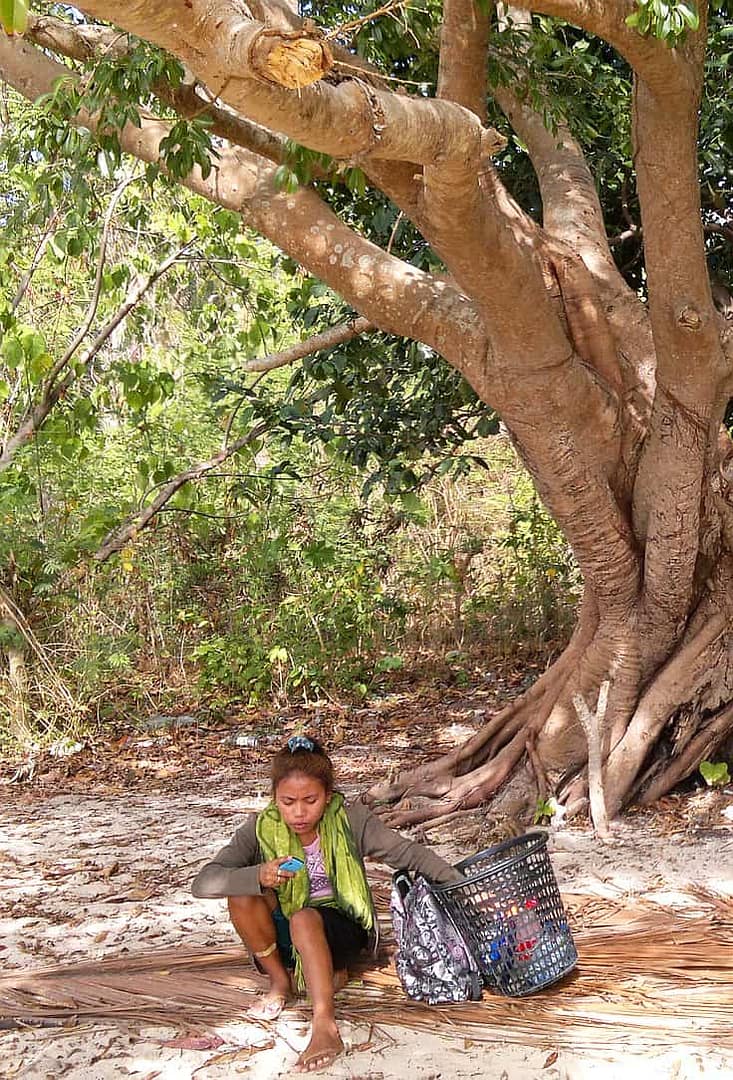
<point x="293" y="864"/>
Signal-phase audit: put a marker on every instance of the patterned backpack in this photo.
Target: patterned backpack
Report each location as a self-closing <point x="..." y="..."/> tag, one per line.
<point x="433" y="962"/>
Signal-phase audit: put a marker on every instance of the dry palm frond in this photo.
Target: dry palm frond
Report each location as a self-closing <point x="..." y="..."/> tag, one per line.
<point x="654" y="979"/>
<point x="722" y="905"/>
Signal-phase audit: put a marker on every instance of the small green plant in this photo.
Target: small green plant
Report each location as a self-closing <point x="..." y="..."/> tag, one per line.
<point x="389" y="663"/>
<point x="715" y="773"/>
<point x="545" y="808"/>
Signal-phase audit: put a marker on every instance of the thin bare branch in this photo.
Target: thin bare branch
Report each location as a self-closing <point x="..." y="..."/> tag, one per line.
<point x="328" y="339"/>
<point x="91" y="311"/>
<point x="130" y="529"/>
<point x="54" y="390"/>
<point x="140" y="288"/>
<point x="41" y="246"/>
<point x="10" y="609"/>
<point x="593" y="726"/>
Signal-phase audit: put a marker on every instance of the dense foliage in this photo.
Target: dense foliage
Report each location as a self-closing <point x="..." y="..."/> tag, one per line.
<point x="308" y="560"/>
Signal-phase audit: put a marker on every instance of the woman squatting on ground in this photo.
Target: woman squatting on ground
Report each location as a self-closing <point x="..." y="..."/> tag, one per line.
<point x="305" y="926"/>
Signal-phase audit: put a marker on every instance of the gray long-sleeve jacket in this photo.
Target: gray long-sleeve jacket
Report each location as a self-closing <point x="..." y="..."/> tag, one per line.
<point x="234" y="871"/>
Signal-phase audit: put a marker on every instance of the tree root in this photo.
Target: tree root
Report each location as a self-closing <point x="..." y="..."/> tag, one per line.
<point x="436" y="778"/>
<point x="469" y="791"/>
<point x="446" y="767"/>
<point x="696" y="683"/>
<point x="538" y="769"/>
<point x="688" y="761"/>
<point x="676" y="683"/>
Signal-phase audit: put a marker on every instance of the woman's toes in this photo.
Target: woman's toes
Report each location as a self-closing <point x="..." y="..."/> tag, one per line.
<point x="268" y="1007"/>
<point x="321" y="1051"/>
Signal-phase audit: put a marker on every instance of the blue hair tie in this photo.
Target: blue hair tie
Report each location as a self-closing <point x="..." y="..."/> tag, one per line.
<point x="300" y="742"/>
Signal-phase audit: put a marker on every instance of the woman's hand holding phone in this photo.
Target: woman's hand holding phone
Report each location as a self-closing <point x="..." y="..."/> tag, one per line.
<point x="276" y="871"/>
<point x="292" y="865"/>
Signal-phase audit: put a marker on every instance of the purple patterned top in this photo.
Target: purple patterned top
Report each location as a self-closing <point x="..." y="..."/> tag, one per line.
<point x="321" y="887"/>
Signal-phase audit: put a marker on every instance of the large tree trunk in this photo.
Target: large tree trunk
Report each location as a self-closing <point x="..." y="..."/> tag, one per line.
<point x="669" y="662"/>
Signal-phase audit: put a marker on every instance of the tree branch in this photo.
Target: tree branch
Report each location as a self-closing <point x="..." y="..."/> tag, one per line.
<point x="452" y="196"/>
<point x="186" y="101"/>
<point x="54" y="391"/>
<point x="231" y="53"/>
<point x="78" y="41"/>
<point x="464" y="39"/>
<point x="336" y="335"/>
<point x="395" y="296"/>
<point x="571" y="208"/>
<point x="135" y="523"/>
<point x="84" y="42"/>
<point x="396" y="179"/>
<point x="659" y="66"/>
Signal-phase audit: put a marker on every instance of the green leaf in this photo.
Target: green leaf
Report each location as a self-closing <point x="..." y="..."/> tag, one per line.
<point x="34" y="345"/>
<point x="487" y="425"/>
<point x="390" y="663"/>
<point x="285" y="180"/>
<point x="689" y="15"/>
<point x="12" y="351"/>
<point x="412" y="504"/>
<point x="13" y="16"/>
<point x="715" y="773"/>
<point x="667" y="21"/>
<point x="545" y="809"/>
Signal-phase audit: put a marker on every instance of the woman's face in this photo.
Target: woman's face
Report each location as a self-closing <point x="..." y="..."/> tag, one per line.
<point x="301" y="801"/>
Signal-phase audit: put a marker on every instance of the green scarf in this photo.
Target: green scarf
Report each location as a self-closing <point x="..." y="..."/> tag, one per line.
<point x="341" y="861"/>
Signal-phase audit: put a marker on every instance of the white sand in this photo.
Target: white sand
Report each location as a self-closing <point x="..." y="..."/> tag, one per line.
<point x="95" y="876"/>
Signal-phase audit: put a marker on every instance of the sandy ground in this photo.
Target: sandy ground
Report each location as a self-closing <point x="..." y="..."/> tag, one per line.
<point x="93" y="876"/>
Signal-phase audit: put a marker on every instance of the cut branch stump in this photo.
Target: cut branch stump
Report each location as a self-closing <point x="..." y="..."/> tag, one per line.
<point x="593" y="726"/>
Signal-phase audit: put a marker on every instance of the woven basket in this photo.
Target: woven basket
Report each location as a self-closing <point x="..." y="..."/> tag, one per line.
<point x="510" y="912"/>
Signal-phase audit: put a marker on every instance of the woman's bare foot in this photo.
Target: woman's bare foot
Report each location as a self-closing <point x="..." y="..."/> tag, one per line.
<point x="324" y="1047"/>
<point x="271" y="1004"/>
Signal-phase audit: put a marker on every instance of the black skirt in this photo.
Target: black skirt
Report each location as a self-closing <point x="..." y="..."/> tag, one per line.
<point x="346" y="938"/>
